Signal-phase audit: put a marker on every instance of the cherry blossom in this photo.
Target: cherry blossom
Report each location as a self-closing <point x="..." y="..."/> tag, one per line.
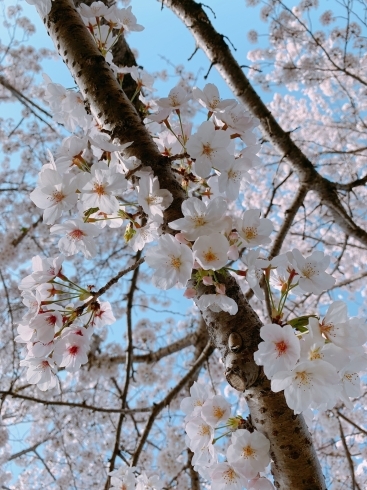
<point x="226" y="477"/>
<point x="100" y="189"/>
<point x="311" y="270"/>
<point x="193" y="403"/>
<point x="208" y="147"/>
<point x="216" y="303"/>
<point x="41" y="372"/>
<point x="148" y="483"/>
<point x="280" y="351"/>
<point x="176" y="98"/>
<point x="199" y="432"/>
<point x="254" y="230"/>
<point x="173" y="263"/>
<point x="124" y="19"/>
<point x="153" y="199"/>
<point x="210" y="251"/>
<point x="251" y="450"/>
<point x="44" y="270"/>
<point x="200" y="219"/>
<point x="310" y="383"/>
<point x="144" y="234"/>
<point x="231" y="178"/>
<point x="71" y="350"/>
<point x="56" y="194"/>
<point x="260" y="484"/>
<point x="96" y="9"/>
<point x="215" y="410"/>
<point x="79" y="237"/>
<point x="209" y="98"/>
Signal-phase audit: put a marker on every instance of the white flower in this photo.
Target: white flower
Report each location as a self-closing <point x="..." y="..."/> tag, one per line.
<point x="101" y="188"/>
<point x="44" y="270"/>
<point x="254" y="272"/>
<point x="209" y="98"/>
<point x="70" y="153"/>
<point x="173" y="262"/>
<point x="57" y="193"/>
<point x="351" y="383"/>
<point x="239" y="120"/>
<point x="79" y="237"/>
<point x="339" y="329"/>
<point x="200" y="219"/>
<point x="254" y="230"/>
<point x="151" y="198"/>
<point x="210" y="251"/>
<point x="122" y="483"/>
<point x="176" y="98"/>
<point x="43" y="6"/>
<point x="216" y="303"/>
<point x="199" y="432"/>
<point x="226" y="477"/>
<point x="313" y="278"/>
<point x="194" y="402"/>
<point x="144" y="234"/>
<point x="102" y="315"/>
<point x="46" y="325"/>
<point x="151" y="483"/>
<point x="41" y="372"/>
<point x="280" y="351"/>
<point x="96" y="9"/>
<point x="203" y="458"/>
<point x="142" y="78"/>
<point x="208" y="147"/>
<point x="124" y="19"/>
<point x="216" y="410"/>
<point x="230" y="179"/>
<point x="261" y="483"/>
<point x="251" y="450"/>
<point x="71" y="350"/>
<point x="310" y="383"/>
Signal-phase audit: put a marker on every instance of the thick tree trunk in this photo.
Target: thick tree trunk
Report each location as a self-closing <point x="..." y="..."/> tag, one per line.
<point x="112" y="108"/>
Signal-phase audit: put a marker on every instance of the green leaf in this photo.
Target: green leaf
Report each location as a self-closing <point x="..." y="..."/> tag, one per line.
<point x="300" y="322"/>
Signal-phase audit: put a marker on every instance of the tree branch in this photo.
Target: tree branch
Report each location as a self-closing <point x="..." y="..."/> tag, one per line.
<point x="216" y="49"/>
<point x="158" y="407"/>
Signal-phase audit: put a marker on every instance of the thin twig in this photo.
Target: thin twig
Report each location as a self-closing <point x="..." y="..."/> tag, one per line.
<point x="157" y="408"/>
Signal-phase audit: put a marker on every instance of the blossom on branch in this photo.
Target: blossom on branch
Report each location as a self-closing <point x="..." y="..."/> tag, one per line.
<point x="173" y="262"/>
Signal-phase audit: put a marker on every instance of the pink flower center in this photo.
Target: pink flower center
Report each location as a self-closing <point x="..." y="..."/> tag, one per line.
<point x="229" y="476"/>
<point x="250" y="232"/>
<point x="218" y="412"/>
<point x="99" y="189"/>
<point x="207" y="150"/>
<point x="52" y="319"/>
<point x="210" y="256"/>
<point x="58" y="196"/>
<point x="76" y="235"/>
<point x="73" y="350"/>
<point x="281" y="348"/>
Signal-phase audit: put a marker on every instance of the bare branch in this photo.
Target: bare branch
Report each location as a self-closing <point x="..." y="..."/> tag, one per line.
<point x="157" y="408"/>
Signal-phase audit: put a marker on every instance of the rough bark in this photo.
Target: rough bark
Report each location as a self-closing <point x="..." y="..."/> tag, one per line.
<point x="105" y="98"/>
<point x="219" y="54"/>
<point x="122" y="56"/>
<point x="112" y="108"/>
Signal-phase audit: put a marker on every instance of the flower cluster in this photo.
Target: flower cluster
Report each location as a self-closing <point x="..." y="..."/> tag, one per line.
<point x="319" y="365"/>
<point x="247" y="455"/>
<point x="59" y="323"/>
<point x="124" y="478"/>
<point x="89" y="183"/>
